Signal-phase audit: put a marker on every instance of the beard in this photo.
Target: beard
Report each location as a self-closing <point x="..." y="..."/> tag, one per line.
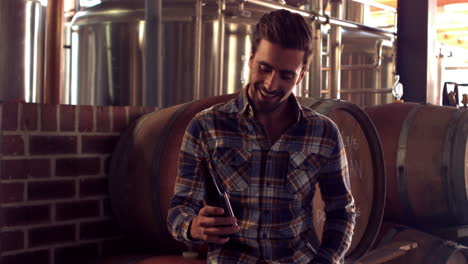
<point x="263" y="100"/>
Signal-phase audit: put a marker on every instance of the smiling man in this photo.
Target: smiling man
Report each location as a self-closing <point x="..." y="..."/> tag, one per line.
<point x="267" y="152"/>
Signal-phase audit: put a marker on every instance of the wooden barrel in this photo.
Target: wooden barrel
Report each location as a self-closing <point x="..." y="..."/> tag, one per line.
<point x="143" y="171"/>
<point x="366" y="169"/>
<point x="430" y="249"/>
<point x="426" y="153"/>
<point x="144" y="168"/>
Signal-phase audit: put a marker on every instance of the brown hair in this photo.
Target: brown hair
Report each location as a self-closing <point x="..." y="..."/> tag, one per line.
<point x="287" y="29"/>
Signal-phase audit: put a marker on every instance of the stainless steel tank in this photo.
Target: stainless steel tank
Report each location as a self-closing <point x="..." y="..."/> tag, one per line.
<point x="367" y="68"/>
<point x="203" y="54"/>
<point x="106" y="55"/>
<point x="22" y="25"/>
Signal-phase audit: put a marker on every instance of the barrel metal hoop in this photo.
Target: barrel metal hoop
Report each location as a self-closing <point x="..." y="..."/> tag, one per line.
<point x="457" y="187"/>
<point x="449" y="172"/>
<point x="158" y="149"/>
<point x="401" y="160"/>
<point x="325" y="107"/>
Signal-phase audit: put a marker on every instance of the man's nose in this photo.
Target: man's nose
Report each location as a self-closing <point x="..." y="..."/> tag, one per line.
<point x="272" y="81"/>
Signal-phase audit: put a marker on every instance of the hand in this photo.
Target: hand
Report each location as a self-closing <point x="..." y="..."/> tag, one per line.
<point x="209" y="226"/>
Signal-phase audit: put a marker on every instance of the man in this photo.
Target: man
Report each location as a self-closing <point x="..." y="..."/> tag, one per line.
<point x="267" y="152"/>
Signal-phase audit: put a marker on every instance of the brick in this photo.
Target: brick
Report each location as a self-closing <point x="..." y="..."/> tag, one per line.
<point x="67" y="117"/>
<point x="49" y="145"/>
<point x="12" y="145"/>
<point x="12" y="240"/>
<point x="99" y="229"/>
<point x="46" y="190"/>
<point x="78" y="254"/>
<point x="93" y="187"/>
<point x="39" y="168"/>
<point x="134" y="113"/>
<point x="77" y="210"/>
<point x="12" y="192"/>
<point x="107" y="164"/>
<point x="10" y="116"/>
<point x="23" y="168"/>
<point x="119" y="118"/>
<point x="26" y="215"/>
<point x="86" y="118"/>
<point x="29" y="119"/>
<point x="107" y="208"/>
<point x="103" y="121"/>
<point x="77" y="166"/>
<point x="42" y="236"/>
<point x="36" y="257"/>
<point x="99" y="144"/>
<point x="14" y="169"/>
<point x="48" y="117"/>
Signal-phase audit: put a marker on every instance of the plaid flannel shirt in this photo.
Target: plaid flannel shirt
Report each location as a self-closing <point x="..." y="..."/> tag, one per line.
<point x="271" y="186"/>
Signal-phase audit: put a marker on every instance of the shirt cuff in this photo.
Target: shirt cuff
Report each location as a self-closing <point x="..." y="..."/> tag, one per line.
<point x="186" y="231"/>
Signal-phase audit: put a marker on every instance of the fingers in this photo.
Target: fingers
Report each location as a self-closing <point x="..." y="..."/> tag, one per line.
<point x="215" y="234"/>
<point x="210" y="226"/>
<point x="211" y="210"/>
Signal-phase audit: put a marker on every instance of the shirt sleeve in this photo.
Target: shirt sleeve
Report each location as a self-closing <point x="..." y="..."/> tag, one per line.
<point x="339" y="204"/>
<point x="189" y="188"/>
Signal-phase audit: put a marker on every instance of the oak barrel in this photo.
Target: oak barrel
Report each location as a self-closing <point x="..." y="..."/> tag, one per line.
<point x="366" y="170"/>
<point x="143" y="171"/>
<point x="426" y="155"/>
<point x="144" y="168"/>
<point x="430" y="249"/>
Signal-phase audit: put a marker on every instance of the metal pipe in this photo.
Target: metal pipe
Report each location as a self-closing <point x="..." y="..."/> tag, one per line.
<point x="315" y="72"/>
<point x="221" y="25"/>
<point x="335" y="51"/>
<point x="53" y="60"/>
<point x="322" y="18"/>
<point x="198" y="51"/>
<point x="154" y="90"/>
<point x="273" y="5"/>
<point x="378" y="5"/>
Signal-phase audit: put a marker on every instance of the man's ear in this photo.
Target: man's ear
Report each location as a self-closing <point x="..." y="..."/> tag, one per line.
<point x="301" y="76"/>
<point x="251" y="60"/>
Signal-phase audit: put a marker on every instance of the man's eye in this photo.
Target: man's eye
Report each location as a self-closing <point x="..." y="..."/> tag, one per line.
<point x="287" y="76"/>
<point x="264" y="68"/>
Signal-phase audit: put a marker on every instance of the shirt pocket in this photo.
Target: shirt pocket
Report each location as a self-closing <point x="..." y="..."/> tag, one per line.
<point x="303" y="171"/>
<point x="232" y="166"/>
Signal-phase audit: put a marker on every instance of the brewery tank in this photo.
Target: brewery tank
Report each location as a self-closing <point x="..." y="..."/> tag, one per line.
<point x="109" y="56"/>
<point x="106" y="64"/>
<point x="22" y="23"/>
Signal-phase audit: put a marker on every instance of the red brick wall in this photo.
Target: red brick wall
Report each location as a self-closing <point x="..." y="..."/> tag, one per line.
<point x="54" y="204"/>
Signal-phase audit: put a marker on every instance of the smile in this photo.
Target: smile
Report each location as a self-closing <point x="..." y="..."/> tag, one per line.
<point x="265" y="93"/>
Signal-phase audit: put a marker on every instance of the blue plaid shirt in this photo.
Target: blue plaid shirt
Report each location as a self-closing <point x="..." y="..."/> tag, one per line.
<point x="271" y="186"/>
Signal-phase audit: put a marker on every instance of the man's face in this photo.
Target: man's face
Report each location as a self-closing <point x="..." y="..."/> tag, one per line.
<point x="275" y="71"/>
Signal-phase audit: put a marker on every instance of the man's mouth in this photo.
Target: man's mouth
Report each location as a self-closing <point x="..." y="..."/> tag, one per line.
<point x="267" y="94"/>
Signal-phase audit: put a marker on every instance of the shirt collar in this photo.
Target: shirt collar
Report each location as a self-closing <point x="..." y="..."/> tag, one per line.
<point x="246" y="108"/>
